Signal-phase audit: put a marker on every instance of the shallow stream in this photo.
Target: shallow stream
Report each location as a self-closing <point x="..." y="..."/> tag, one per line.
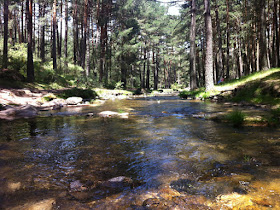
<point x="164" y="151"/>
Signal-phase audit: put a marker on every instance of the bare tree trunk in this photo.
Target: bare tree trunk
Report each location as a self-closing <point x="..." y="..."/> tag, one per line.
<point x="193" y="81"/>
<point x="22" y="23"/>
<point x="228" y="41"/>
<point x="220" y="63"/>
<point x="5" y="44"/>
<point x="276" y="34"/>
<point x="54" y="36"/>
<point x="66" y="34"/>
<point x="144" y="68"/>
<point x="84" y="45"/>
<point x="209" y="80"/>
<point x="75" y="31"/>
<point x="148" y="70"/>
<point x="30" y="66"/>
<point x="43" y="26"/>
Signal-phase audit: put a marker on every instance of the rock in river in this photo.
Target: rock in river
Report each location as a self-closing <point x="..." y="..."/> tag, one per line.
<point x="15" y="112"/>
<point x="74" y="100"/>
<point x="109" y="114"/>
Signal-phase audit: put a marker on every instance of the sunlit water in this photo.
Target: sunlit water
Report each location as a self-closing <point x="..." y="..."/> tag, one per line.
<point x="160" y="144"/>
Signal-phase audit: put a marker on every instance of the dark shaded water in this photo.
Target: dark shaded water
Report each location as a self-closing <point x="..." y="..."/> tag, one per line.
<point x="159" y="145"/>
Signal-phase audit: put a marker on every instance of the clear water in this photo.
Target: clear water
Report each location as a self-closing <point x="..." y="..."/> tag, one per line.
<point x="158" y="145"/>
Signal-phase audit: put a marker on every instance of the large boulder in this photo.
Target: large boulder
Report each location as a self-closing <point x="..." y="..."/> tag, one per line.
<point x="74" y="100"/>
<point x="11" y="113"/>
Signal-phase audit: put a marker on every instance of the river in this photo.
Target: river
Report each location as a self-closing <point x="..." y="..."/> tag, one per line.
<point x="157" y="155"/>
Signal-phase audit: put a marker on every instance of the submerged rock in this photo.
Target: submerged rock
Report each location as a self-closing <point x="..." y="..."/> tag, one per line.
<point x="118" y="183"/>
<point x="47" y="204"/>
<point x="109" y="114"/>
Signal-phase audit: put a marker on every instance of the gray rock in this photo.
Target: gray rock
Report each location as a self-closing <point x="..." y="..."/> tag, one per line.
<point x="74" y="100"/>
<point x="110" y="114"/>
<point x="26" y="111"/>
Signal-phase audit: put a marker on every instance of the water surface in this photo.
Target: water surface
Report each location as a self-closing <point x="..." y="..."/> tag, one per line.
<point x="160" y="144"/>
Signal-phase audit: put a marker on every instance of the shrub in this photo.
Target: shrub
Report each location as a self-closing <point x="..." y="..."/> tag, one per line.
<point x="274" y="117"/>
<point x="236" y="118"/>
<point x="78" y="92"/>
<point x="176" y="86"/>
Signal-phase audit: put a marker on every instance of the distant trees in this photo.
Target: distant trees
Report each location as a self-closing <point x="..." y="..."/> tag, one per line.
<point x="130" y="43"/>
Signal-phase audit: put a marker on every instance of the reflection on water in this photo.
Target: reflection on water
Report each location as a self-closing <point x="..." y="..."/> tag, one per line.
<point x="160" y="144"/>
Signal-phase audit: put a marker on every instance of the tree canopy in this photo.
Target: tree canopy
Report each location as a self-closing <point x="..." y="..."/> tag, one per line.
<point x="138" y="44"/>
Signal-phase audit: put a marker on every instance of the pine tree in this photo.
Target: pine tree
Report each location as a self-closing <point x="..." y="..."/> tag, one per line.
<point x="5" y="44"/>
<point x="209" y="80"/>
<point x="30" y="65"/>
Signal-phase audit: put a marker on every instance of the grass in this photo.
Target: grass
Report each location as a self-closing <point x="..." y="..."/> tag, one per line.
<point x="236" y="117"/>
<point x="258" y="88"/>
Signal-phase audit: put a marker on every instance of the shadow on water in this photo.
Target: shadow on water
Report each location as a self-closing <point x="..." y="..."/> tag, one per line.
<point x="159" y="145"/>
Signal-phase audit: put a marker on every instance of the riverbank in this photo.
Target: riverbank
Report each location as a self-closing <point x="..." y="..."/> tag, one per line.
<point x="28" y="102"/>
<point x="259" y="91"/>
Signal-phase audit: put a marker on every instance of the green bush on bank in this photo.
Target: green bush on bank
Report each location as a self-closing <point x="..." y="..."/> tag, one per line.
<point x="78" y="92"/>
<point x="236" y="117"/>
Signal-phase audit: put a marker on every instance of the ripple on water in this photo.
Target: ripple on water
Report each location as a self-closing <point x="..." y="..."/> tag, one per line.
<point x="171" y="154"/>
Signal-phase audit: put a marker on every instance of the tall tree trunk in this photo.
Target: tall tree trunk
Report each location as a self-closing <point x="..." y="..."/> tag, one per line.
<point x="209" y="79"/>
<point x="60" y="35"/>
<point x="148" y="70"/>
<point x="30" y="66"/>
<point x="220" y="62"/>
<point x="5" y="44"/>
<point x="228" y="40"/>
<point x="22" y="22"/>
<point x="144" y="68"/>
<point x="84" y="45"/>
<point x="155" y="69"/>
<point x="262" y="35"/>
<point x="275" y="18"/>
<point x="54" y="36"/>
<point x="43" y="26"/>
<point x="66" y="34"/>
<point x="193" y="81"/>
<point x="75" y="31"/>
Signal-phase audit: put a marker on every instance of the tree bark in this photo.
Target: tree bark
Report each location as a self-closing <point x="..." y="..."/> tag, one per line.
<point x="30" y="65"/>
<point x="262" y="34"/>
<point x="42" y="39"/>
<point x="5" y="44"/>
<point x="84" y="45"/>
<point x="66" y="34"/>
<point x="148" y="71"/>
<point x="228" y="40"/>
<point x="220" y="62"/>
<point x="209" y="80"/>
<point x="193" y="81"/>
<point x="276" y="34"/>
<point x="54" y="36"/>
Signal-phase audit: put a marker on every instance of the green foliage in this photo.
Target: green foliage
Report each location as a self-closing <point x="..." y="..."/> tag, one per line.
<point x="259" y="88"/>
<point x="194" y="93"/>
<point x="49" y="97"/>
<point x="274" y="117"/>
<point x="176" y="86"/>
<point x="247" y="158"/>
<point x="121" y="111"/>
<point x="236" y="118"/>
<point x="77" y="92"/>
<point x="119" y="85"/>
